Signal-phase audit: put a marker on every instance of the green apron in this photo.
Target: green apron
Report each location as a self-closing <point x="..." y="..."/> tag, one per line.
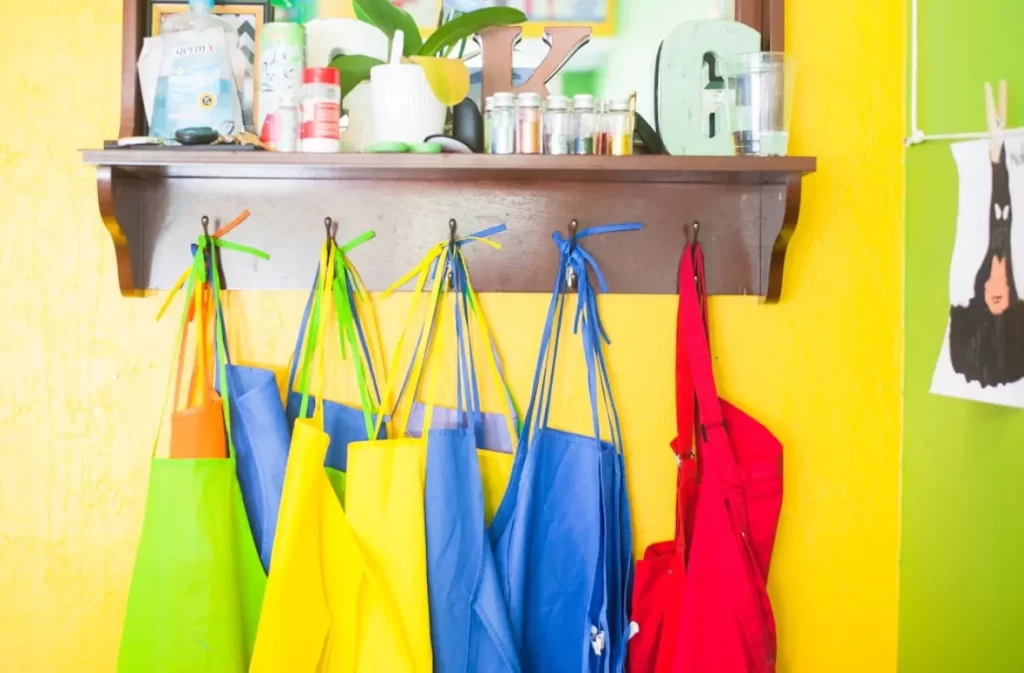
<point x="197" y="587"/>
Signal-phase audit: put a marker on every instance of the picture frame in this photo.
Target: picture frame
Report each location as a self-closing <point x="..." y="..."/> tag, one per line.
<point x="248" y="16"/>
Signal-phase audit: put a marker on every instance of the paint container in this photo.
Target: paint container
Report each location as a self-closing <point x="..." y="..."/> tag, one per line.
<point x="601" y="132"/>
<point x="585" y="124"/>
<point x="558" y="133"/>
<point x="620" y="121"/>
<point x="503" y="124"/>
<point x="287" y="125"/>
<point x="488" y="108"/>
<point x="529" y="124"/>
<point x="282" y="49"/>
<point x="321" y="110"/>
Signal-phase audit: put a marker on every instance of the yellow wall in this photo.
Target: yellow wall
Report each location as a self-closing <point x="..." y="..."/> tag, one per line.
<point x="83" y="369"/>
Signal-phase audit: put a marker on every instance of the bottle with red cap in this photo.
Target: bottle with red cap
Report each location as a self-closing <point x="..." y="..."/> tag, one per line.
<point x="321" y="110"/>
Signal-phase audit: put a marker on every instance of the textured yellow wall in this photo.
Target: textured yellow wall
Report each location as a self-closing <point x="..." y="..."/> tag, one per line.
<point x="83" y="369"/>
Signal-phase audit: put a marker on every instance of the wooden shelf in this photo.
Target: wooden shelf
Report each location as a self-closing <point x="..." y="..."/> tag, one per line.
<point x="152" y="201"/>
<point x="183" y="163"/>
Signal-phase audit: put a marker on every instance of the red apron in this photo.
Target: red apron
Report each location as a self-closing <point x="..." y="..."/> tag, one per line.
<point x="700" y="601"/>
<point x="660" y="578"/>
<point x="726" y="625"/>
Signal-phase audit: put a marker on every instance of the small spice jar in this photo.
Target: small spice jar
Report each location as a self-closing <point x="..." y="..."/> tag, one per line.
<point x="488" y="109"/>
<point x="503" y="124"/>
<point x="601" y="128"/>
<point x="620" y="122"/>
<point x="558" y="133"/>
<point x="321" y="110"/>
<point x="529" y="126"/>
<point x="585" y="124"/>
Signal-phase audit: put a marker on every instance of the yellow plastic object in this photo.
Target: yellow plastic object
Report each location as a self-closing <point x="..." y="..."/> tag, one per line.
<point x="321" y="594"/>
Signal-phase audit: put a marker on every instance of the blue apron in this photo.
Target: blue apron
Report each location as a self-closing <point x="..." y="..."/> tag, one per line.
<point x="343" y="423"/>
<point x="261" y="437"/>
<point x="469" y="624"/>
<point x="562" y="536"/>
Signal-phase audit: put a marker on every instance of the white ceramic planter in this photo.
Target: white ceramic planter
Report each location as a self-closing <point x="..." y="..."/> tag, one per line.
<point x="404" y="108"/>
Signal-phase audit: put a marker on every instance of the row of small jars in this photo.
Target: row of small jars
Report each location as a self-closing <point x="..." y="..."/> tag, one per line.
<point x="521" y="125"/>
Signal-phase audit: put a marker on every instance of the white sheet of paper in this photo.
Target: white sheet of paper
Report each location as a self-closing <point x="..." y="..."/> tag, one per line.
<point x="970" y="250"/>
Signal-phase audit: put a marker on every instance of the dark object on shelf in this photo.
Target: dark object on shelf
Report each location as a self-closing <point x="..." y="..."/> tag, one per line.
<point x="648" y="137"/>
<point x="450" y="145"/>
<point x="468" y="125"/>
<point x="748" y="207"/>
<point x="200" y="135"/>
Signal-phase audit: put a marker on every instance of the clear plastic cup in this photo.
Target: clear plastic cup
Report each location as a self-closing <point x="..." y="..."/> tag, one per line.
<point x="761" y="84"/>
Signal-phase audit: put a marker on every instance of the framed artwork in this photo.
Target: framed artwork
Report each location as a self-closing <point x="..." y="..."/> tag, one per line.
<point x="247" y="17"/>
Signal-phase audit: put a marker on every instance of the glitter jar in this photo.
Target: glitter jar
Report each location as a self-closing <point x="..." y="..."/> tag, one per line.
<point x="529" y="126"/>
<point x="558" y="133"/>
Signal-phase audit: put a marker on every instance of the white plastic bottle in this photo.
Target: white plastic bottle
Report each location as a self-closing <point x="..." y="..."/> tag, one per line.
<point x="201" y="71"/>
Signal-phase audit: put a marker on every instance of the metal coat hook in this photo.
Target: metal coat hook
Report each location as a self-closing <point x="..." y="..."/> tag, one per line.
<point x="328" y="229"/>
<point x="696" y="231"/>
<point x="570" y="275"/>
<point x="452" y="226"/>
<point x="211" y="253"/>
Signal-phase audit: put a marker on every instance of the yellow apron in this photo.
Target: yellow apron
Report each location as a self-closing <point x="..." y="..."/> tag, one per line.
<point x="320" y="589"/>
<point x="385" y="496"/>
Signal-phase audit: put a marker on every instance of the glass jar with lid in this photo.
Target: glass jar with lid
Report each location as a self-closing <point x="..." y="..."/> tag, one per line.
<point x="503" y="124"/>
<point x="620" y="122"/>
<point x="488" y="108"/>
<point x="558" y="132"/>
<point x="586" y="124"/>
<point x="529" y="127"/>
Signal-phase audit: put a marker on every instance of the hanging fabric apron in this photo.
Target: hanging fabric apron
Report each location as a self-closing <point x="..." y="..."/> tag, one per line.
<point x="493" y="438"/>
<point x="661" y="574"/>
<point x="260" y="434"/>
<point x="562" y="536"/>
<point x="197" y="585"/>
<point x="726" y="623"/>
<point x="259" y="430"/>
<point x="344" y="424"/>
<point x="320" y="589"/>
<point x="470" y="628"/>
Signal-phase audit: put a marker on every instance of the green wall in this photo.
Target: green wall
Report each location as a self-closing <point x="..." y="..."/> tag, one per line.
<point x="962" y="558"/>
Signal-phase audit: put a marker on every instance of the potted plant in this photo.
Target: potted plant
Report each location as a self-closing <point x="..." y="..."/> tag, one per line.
<point x="411" y="97"/>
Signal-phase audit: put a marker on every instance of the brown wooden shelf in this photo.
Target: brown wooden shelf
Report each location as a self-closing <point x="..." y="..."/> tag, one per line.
<point x="183" y="163"/>
<point x="153" y="200"/>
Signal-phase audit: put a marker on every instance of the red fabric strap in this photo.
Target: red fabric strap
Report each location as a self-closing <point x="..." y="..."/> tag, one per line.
<point x="698" y="353"/>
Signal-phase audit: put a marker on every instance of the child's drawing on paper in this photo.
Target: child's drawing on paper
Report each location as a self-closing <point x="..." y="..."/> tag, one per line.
<point x="982" y="356"/>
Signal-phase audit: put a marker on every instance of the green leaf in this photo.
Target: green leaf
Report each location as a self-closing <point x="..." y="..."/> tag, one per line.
<point x="466" y="25"/>
<point x="448" y="78"/>
<point x="354" y="68"/>
<point x="407" y="24"/>
<point x="378" y="13"/>
<point x="388" y="18"/>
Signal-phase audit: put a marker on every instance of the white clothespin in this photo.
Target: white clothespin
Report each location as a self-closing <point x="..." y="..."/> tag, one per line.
<point x="996" y="119"/>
